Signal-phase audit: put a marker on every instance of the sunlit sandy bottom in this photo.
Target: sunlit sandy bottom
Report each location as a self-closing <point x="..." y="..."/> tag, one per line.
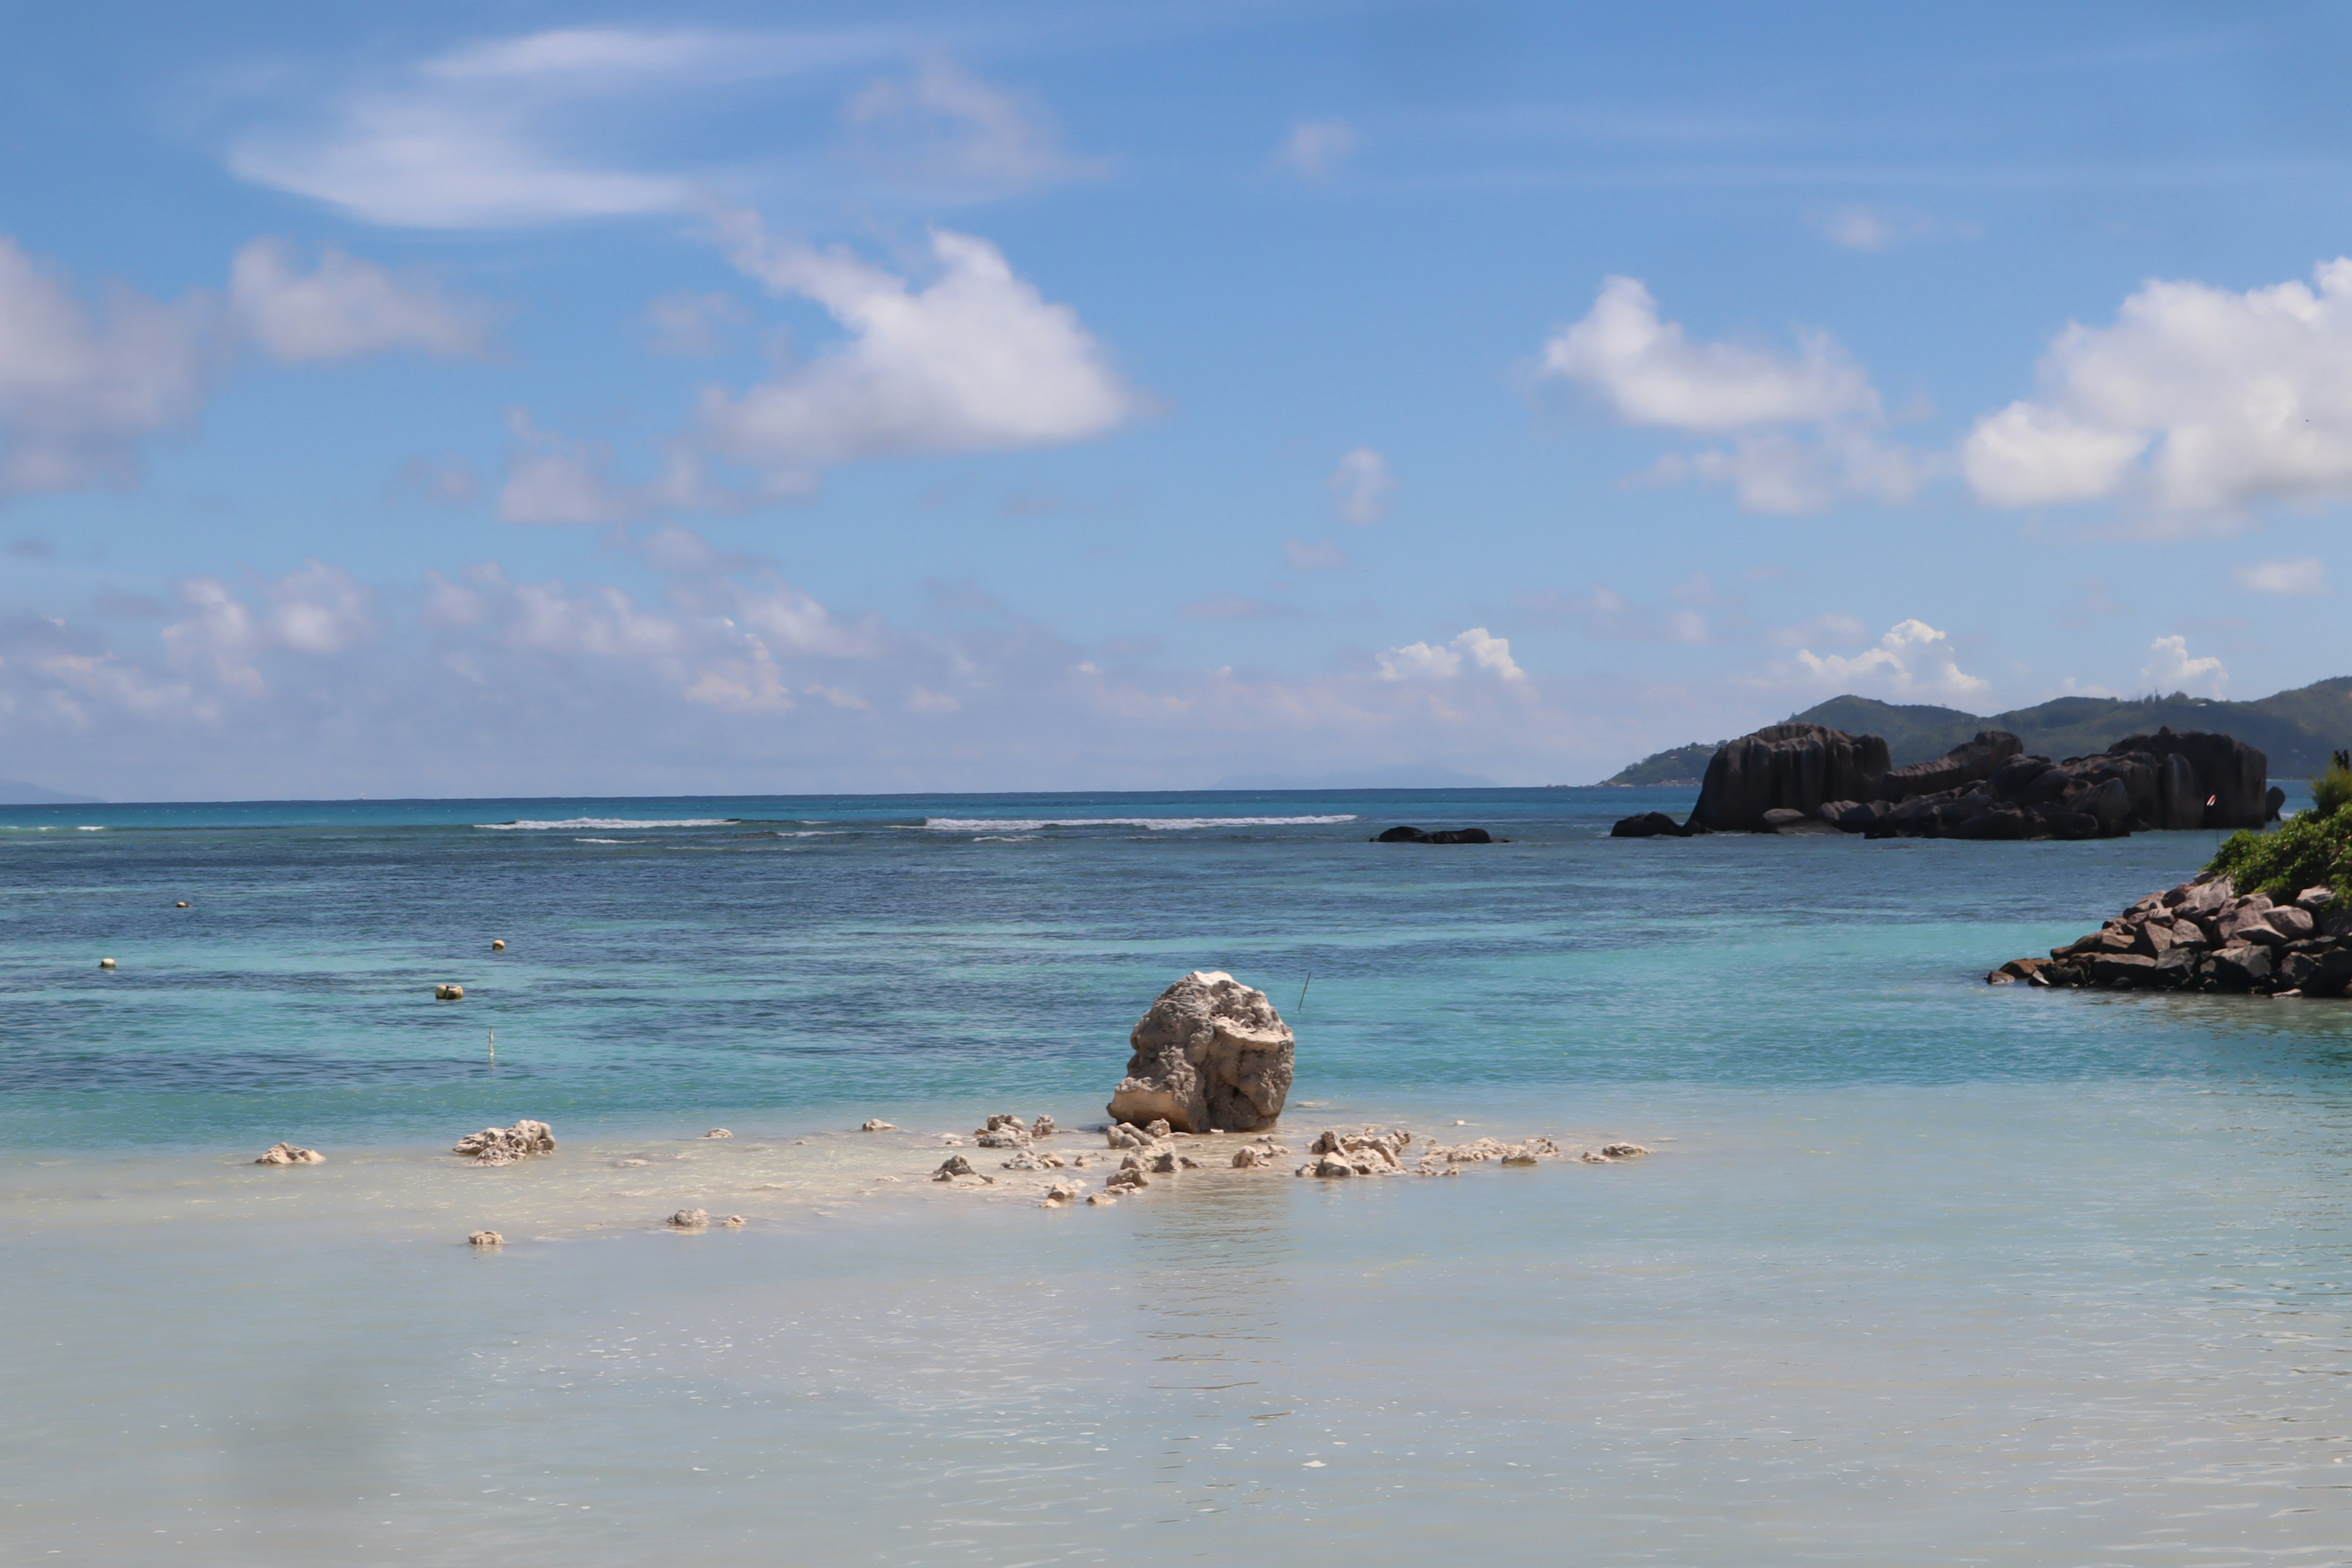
<point x="2008" y="1324"/>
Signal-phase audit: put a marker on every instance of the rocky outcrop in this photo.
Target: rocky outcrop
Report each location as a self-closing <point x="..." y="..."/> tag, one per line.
<point x="2202" y="936"/>
<point x="1212" y="1054"/>
<point x="1401" y="835"/>
<point x="505" y="1145"/>
<point x="1796" y="766"/>
<point x="486" y="1238"/>
<point x="876" y="1125"/>
<point x="1804" y="778"/>
<point x="289" y="1154"/>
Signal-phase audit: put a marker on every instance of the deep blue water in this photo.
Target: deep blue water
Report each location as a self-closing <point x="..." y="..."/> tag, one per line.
<point x="814" y="956"/>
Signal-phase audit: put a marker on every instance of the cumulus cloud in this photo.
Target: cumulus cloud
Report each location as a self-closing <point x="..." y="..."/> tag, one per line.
<point x="711" y="672"/>
<point x="81" y="388"/>
<point x="1359" y="487"/>
<point x="1913" y="659"/>
<point x="2169" y="668"/>
<point x="343" y="307"/>
<point x="1475" y="652"/>
<point x="945" y="128"/>
<point x="974" y="360"/>
<point x="2196" y="399"/>
<point x="1648" y="372"/>
<point x="2295" y="578"/>
<point x="1315" y="149"/>
<point x="1804" y="426"/>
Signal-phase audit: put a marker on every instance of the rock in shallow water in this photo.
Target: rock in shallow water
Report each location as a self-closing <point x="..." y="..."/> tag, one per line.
<point x="505" y="1145"/>
<point x="1212" y="1052"/>
<point x="291" y="1154"/>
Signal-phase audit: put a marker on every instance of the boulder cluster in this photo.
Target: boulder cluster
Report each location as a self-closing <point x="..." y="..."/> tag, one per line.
<point x="291" y="1154"/>
<point x="1808" y="778"/>
<point x="505" y="1145"/>
<point x="2203" y="936"/>
<point x="1402" y="834"/>
<point x="1210" y="1055"/>
<point x="1380" y="1151"/>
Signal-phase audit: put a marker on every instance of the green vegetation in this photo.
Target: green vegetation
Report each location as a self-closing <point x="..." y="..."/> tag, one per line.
<point x="2332" y="790"/>
<point x="2296" y="730"/>
<point x="2309" y="849"/>
<point x="1683" y="765"/>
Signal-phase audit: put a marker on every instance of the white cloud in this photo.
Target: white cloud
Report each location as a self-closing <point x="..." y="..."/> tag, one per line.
<point x="2295" y="578"/>
<point x="976" y="359"/>
<point x="344" y="307"/>
<point x="2169" y="668"/>
<point x="2197" y="399"/>
<point x="946" y="129"/>
<point x="1359" y="487"/>
<point x="550" y="480"/>
<point x="1913" y="659"/>
<point x="1475" y="651"/>
<point x="513" y="131"/>
<point x="1319" y="555"/>
<point x="1316" y="148"/>
<point x="1649" y="372"/>
<point x="1804" y="426"/>
<point x="1775" y="471"/>
<point x="80" y="389"/>
<point x="318" y="609"/>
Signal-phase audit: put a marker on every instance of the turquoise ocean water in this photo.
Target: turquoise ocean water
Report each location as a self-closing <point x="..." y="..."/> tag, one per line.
<point x="1921" y="1270"/>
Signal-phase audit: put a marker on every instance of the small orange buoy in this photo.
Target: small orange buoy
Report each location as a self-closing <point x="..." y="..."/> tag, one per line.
<point x="497" y="944"/>
<point x="181" y="905"/>
<point x="106" y="963"/>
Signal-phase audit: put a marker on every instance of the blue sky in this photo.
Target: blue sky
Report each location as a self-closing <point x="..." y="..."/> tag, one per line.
<point x="508" y="398"/>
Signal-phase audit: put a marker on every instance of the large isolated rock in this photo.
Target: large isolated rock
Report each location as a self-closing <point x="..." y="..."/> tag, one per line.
<point x="2229" y="774"/>
<point x="1795" y="767"/>
<point x="1212" y="1054"/>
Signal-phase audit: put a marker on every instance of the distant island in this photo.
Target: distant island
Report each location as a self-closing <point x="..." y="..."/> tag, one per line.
<point x="17" y="792"/>
<point x="2297" y="729"/>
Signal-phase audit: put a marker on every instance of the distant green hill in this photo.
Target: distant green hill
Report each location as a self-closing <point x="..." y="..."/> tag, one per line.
<point x="2296" y="730"/>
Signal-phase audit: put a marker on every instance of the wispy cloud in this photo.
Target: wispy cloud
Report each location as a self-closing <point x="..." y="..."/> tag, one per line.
<point x="1316" y="149"/>
<point x="1359" y="487"/>
<point x="2294" y="578"/>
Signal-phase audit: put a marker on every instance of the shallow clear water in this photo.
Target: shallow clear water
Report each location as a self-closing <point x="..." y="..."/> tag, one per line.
<point x="1921" y="1270"/>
